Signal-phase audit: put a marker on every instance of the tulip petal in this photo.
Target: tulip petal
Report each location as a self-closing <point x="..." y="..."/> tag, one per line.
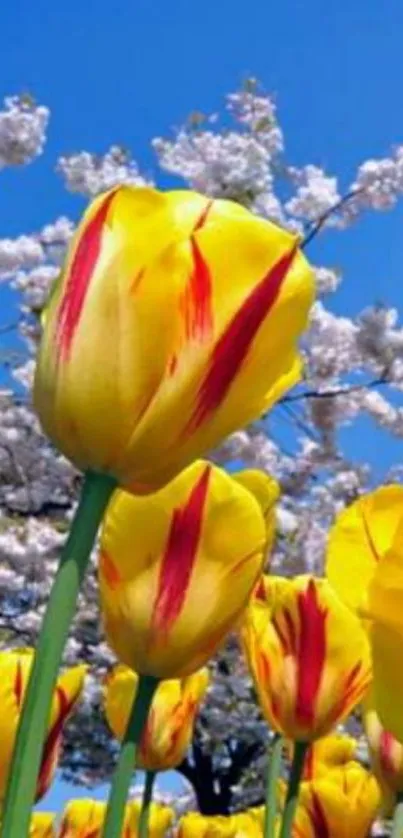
<point x="311" y="648"/>
<point x="164" y="555"/>
<point x="360" y="537"/>
<point x="78" y="277"/>
<point x="180" y="555"/>
<point x="177" y="320"/>
<point x="233" y="345"/>
<point x="308" y="678"/>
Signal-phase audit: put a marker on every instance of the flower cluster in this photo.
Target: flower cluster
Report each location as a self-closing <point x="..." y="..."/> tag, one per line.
<point x="23" y="126"/>
<point x="352" y="368"/>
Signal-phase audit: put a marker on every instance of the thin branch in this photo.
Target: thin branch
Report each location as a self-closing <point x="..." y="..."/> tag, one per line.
<point x="300" y="423"/>
<point x="329" y="394"/>
<point x="317" y="225"/>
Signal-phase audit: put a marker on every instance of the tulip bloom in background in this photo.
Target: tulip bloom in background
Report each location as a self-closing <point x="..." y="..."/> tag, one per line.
<point x="201" y="539"/>
<point x="83" y="819"/>
<point x="175" y="321"/>
<point x="176" y="568"/>
<point x="365" y="566"/>
<point x="169" y="728"/>
<point x="195" y="825"/>
<point x="329" y="752"/>
<point x="167" y="733"/>
<point x="160" y="819"/>
<point x="15" y="667"/>
<point x="308" y="656"/>
<point x="386" y="754"/>
<point x="42" y="825"/>
<point x="248" y="824"/>
<point x="359" y="540"/>
<point x="342" y="805"/>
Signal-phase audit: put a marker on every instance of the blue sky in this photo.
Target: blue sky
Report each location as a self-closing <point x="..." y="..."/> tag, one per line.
<point x="128" y="71"/>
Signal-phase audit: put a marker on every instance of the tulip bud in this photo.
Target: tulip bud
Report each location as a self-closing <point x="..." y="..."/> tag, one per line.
<point x="177" y="568"/>
<point x="42" y="825"/>
<point x="308" y="655"/>
<point x="174" y="322"/>
<point x="195" y="825"/>
<point x="169" y="729"/>
<point x="160" y="819"/>
<point x="328" y="752"/>
<point x="15" y="667"/>
<point x="342" y="805"/>
<point x="83" y="818"/>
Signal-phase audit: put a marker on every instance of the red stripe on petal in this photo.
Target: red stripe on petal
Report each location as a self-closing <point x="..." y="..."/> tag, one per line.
<point x="18" y="684"/>
<point x="264" y="669"/>
<point x="318" y="818"/>
<point x="196" y="304"/>
<point x="79" y="276"/>
<point x="179" y="556"/>
<point x="309" y="764"/>
<point x="53" y="742"/>
<point x="109" y="570"/>
<point x="352" y="690"/>
<point x="386" y="743"/>
<point x="203" y="216"/>
<point x="311" y="653"/>
<point x="232" y="348"/>
<point x="260" y="591"/>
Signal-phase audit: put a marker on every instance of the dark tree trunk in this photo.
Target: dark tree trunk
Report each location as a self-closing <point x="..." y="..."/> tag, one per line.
<point x="212" y="787"/>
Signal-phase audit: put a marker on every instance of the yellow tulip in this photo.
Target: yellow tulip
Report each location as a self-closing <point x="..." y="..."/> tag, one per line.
<point x="15" y="667"/>
<point x="42" y="825"/>
<point x="383" y="610"/>
<point x="83" y="818"/>
<point x="326" y="753"/>
<point x="160" y="819"/>
<point x="308" y="655"/>
<point x="175" y="321"/>
<point x="195" y="825"/>
<point x="177" y="568"/>
<point x="386" y="754"/>
<point x="169" y="729"/>
<point x="342" y="805"/>
<point x="248" y="824"/>
<point x="360" y="538"/>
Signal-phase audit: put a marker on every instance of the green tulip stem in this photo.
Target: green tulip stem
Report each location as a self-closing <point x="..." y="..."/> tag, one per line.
<point x="126" y="766"/>
<point x="397" y="828"/>
<point x="25" y="765"/>
<point x="146" y="803"/>
<point x="273" y="773"/>
<point x="297" y="767"/>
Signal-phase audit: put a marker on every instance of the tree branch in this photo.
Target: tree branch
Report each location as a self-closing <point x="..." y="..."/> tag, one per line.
<point x="329" y="394"/>
<point x="316" y="227"/>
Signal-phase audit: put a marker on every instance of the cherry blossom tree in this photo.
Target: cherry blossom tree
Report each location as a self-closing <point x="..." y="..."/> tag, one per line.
<point x="353" y="367"/>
